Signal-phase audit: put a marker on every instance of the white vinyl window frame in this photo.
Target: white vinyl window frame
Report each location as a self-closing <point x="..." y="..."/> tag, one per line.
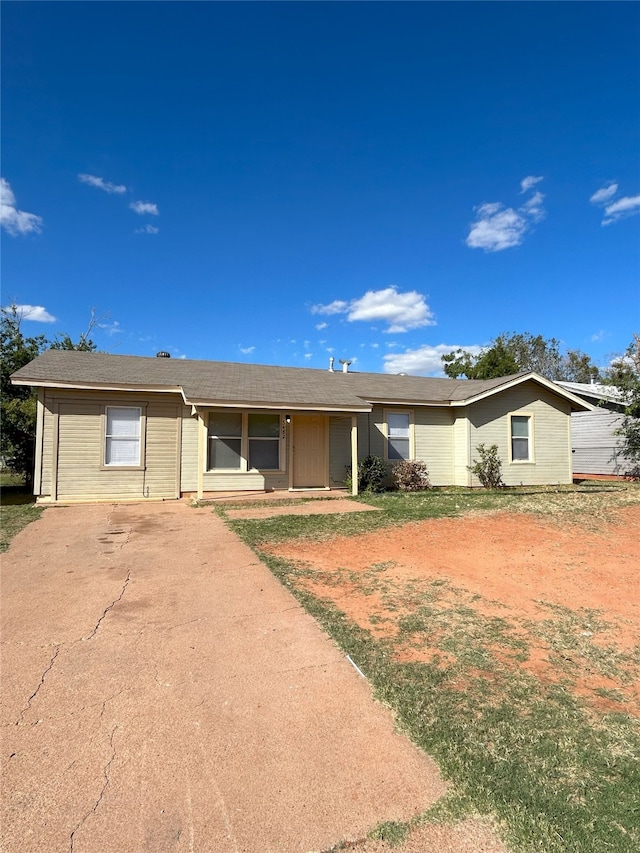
<point x="521" y="441"/>
<point x="395" y="429"/>
<point x="245" y="442"/>
<point x="123" y="437"/>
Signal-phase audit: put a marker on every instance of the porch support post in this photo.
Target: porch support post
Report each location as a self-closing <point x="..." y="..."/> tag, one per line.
<point x="354" y="454"/>
<point x="202" y="452"/>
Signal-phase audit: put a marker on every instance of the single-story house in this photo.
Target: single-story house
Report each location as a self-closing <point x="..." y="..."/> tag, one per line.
<point x="595" y="442"/>
<point x="117" y="427"/>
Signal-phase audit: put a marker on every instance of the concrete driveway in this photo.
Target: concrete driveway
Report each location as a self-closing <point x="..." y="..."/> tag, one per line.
<point x="163" y="692"/>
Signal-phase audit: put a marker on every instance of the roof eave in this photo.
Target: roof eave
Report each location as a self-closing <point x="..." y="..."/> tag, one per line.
<point x="279" y="407"/>
<point x="96" y="386"/>
<point x="577" y="404"/>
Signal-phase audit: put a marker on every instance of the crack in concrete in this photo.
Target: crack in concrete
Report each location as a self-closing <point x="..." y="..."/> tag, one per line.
<point x="182" y="624"/>
<point x="110" y="607"/>
<point x="38" y="688"/>
<point x="105" y="785"/>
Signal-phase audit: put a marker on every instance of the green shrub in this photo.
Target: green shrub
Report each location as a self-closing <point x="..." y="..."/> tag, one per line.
<point x="372" y="473"/>
<point x="411" y="476"/>
<point x="489" y="468"/>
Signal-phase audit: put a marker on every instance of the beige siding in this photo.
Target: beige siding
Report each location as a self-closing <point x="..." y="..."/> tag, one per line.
<point x="78" y="461"/>
<point x="376" y="443"/>
<point x="461" y="438"/>
<point x="339" y="448"/>
<point x="232" y="481"/>
<point x="47" y="448"/>
<point x="189" y="452"/>
<point x="162" y="450"/>
<point x="433" y="443"/>
<point x="489" y="424"/>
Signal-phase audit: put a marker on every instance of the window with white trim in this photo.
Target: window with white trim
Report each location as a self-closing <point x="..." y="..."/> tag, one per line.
<point x="123" y="431"/>
<point x="521" y="438"/>
<point x="398" y="435"/>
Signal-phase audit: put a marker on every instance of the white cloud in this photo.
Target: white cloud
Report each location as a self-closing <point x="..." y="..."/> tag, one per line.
<point x="620" y="209"/>
<point x="424" y="361"/>
<point x="534" y="207"/>
<point x="16" y="221"/>
<point x="35" y="313"/>
<point x="335" y="307"/>
<point x="147" y="229"/>
<point x="101" y="184"/>
<point x="604" y="194"/>
<point x="143" y="207"/>
<point x="498" y="227"/>
<point x="401" y="311"/>
<point x="321" y="326"/>
<point x="247" y="350"/>
<point x="308" y="355"/>
<point x="528" y="182"/>
<point x="112" y="328"/>
<point x="597" y="336"/>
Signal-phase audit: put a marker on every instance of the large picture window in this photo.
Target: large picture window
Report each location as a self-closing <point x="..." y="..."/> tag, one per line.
<point x="240" y="441"/>
<point x="122" y="436"/>
<point x="521" y="438"/>
<point x="398" y="435"/>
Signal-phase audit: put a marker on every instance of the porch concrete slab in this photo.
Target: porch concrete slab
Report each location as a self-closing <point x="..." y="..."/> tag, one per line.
<point x="163" y="692"/>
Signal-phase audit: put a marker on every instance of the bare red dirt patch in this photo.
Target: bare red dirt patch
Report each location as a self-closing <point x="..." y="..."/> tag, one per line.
<point x="570" y="593"/>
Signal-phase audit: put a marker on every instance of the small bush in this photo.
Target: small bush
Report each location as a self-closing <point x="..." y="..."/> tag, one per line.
<point x="372" y="472"/>
<point x="489" y="468"/>
<point x="411" y="476"/>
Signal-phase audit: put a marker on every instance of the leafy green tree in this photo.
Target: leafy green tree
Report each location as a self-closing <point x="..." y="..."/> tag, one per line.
<point x="624" y="373"/>
<point x="18" y="403"/>
<point x="496" y="361"/>
<point x="516" y="353"/>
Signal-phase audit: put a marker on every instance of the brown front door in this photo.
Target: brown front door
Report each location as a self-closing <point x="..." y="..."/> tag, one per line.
<point x="309" y="452"/>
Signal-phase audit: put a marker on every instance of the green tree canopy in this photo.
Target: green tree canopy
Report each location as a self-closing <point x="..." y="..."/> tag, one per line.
<point x="18" y="403"/>
<point x="518" y="352"/>
<point x="624" y="373"/>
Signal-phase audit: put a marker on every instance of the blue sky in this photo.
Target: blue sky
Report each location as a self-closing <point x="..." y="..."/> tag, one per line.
<point x="282" y="182"/>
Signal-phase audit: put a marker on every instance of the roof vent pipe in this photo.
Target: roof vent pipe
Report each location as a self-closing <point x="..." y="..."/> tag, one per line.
<point x="345" y="365"/>
<point x="331" y="360"/>
<point x="163" y="354"/>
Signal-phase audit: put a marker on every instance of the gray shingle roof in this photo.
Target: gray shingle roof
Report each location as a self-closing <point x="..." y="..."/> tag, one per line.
<point x="211" y="382"/>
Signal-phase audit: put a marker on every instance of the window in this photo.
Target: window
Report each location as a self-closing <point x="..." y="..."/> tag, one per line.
<point x="520" y="438"/>
<point x="122" y="436"/>
<point x="264" y="442"/>
<point x="398" y="435"/>
<point x="225" y="440"/>
<point x="239" y="441"/>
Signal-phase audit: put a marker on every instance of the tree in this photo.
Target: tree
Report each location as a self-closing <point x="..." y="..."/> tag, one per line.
<point x="85" y="344"/>
<point x="624" y="373"/>
<point x="19" y="403"/>
<point x="496" y="361"/>
<point x="516" y="353"/>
